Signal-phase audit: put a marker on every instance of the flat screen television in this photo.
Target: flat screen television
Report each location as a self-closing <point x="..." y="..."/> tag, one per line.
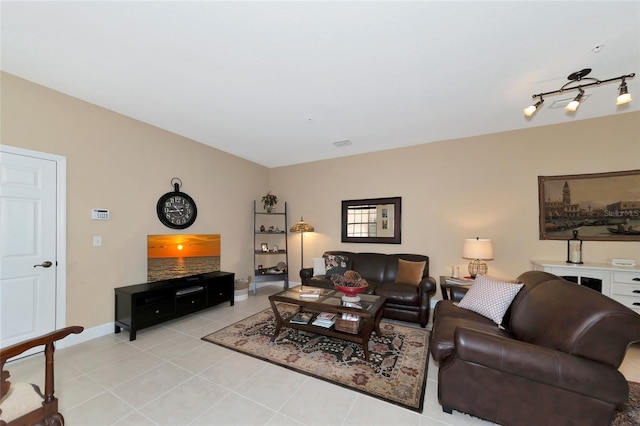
<point x="175" y="256"/>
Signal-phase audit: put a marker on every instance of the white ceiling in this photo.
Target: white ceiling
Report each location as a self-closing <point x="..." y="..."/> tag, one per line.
<point x="278" y="82"/>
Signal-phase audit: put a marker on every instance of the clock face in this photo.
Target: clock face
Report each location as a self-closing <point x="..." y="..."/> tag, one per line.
<point x="176" y="210"/>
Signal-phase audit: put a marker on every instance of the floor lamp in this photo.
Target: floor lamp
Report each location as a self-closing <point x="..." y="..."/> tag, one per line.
<point x="302" y="227"/>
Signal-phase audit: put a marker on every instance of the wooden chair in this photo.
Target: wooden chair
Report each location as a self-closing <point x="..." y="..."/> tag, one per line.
<point x="23" y="403"/>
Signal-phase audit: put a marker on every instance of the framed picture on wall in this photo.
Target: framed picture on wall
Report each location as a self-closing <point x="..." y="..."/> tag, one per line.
<point x="600" y="206"/>
<point x="372" y="220"/>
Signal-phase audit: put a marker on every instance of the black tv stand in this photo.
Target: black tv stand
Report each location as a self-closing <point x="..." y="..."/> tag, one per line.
<point x="143" y="305"/>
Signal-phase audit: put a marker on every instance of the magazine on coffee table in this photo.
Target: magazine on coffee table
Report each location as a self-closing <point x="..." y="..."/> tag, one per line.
<point x="325" y="319"/>
<point x="310" y="293"/>
<point x="301" y="318"/>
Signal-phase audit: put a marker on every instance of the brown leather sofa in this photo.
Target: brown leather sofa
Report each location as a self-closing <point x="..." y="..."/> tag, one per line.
<point x="405" y="302"/>
<point x="554" y="361"/>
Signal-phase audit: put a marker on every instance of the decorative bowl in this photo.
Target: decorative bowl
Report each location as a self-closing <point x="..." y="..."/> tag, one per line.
<point x="351" y="293"/>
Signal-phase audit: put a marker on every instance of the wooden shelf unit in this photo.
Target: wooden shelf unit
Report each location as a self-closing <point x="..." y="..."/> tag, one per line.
<point x="278" y="237"/>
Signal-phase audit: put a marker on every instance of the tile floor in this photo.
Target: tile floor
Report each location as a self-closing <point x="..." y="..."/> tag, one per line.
<point x="168" y="376"/>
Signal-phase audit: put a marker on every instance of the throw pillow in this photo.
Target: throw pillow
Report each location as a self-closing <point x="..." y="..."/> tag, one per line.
<point x="318" y="266"/>
<point x="410" y="272"/>
<point x="490" y="297"/>
<point x="336" y="264"/>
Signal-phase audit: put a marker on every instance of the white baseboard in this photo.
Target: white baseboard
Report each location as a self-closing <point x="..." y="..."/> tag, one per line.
<point x="86" y="335"/>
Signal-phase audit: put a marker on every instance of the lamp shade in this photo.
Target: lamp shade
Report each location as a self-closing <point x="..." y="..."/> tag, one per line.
<point x="477" y="248"/>
<point x="301" y="226"/>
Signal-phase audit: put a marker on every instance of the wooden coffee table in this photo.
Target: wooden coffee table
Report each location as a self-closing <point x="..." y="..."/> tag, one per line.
<point x="331" y="301"/>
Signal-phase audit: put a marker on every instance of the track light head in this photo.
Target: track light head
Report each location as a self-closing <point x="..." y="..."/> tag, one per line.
<point x="624" y="97"/>
<point x="575" y="103"/>
<point x="531" y="109"/>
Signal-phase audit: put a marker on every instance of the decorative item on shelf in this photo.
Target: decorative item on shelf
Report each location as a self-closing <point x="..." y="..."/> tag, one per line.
<point x="477" y="249"/>
<point x="272" y="229"/>
<point x="351" y="284"/>
<point x="264" y="247"/>
<point x="576" y="78"/>
<point x="262" y="228"/>
<point x="270" y="202"/>
<point x="302" y="227"/>
<point x="274" y="249"/>
<point x="574" y="249"/>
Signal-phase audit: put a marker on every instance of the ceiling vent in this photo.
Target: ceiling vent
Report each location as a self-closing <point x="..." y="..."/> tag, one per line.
<point x="340" y="144"/>
<point x="561" y="103"/>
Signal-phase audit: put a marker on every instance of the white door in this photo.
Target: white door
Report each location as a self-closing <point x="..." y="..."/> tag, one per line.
<point x="28" y="245"/>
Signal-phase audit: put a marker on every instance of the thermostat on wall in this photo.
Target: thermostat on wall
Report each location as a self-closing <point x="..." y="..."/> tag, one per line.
<point x="623" y="262"/>
<point x="100" y="214"/>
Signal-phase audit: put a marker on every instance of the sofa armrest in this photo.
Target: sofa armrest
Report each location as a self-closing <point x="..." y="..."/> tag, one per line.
<point x="539" y="364"/>
<point x="306" y="274"/>
<point x="427" y="286"/>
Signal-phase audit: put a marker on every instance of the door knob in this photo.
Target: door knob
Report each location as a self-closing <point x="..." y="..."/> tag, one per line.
<point x="45" y="264"/>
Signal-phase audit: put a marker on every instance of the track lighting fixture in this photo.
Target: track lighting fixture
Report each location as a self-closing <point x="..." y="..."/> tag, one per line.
<point x="576" y="79"/>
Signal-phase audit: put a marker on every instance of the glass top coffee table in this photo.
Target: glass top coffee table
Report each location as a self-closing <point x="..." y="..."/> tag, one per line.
<point x="368" y="312"/>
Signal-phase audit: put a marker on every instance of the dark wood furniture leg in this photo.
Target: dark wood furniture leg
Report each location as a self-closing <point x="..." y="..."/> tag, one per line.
<point x="279" y="320"/>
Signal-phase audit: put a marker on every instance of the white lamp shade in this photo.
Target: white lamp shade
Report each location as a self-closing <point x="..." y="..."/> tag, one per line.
<point x="477" y="248"/>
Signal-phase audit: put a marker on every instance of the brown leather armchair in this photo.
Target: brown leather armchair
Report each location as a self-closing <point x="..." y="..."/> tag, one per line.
<point x="405" y="302"/>
<point x="22" y="403"/>
<point x="554" y="360"/>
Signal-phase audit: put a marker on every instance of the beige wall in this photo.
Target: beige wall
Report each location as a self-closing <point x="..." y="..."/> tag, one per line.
<point x="483" y="186"/>
<point x="124" y="165"/>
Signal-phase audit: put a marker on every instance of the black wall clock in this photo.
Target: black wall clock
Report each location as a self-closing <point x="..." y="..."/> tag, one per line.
<point x="176" y="209"/>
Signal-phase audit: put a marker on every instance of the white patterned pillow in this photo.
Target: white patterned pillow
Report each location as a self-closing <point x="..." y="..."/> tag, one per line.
<point x="490" y="297"/>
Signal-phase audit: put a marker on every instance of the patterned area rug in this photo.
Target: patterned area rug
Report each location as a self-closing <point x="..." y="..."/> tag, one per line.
<point x="396" y="372"/>
<point x="629" y="414"/>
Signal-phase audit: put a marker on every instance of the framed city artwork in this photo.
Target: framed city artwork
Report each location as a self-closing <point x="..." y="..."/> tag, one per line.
<point x="600" y="206"/>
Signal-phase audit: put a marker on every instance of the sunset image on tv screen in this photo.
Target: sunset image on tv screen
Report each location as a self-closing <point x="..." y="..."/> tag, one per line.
<point x="175" y="256"/>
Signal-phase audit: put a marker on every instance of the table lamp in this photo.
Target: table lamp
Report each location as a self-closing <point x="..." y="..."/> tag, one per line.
<point x="477" y="249"/>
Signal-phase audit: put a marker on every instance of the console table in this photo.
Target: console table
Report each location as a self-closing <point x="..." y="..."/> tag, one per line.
<point x="619" y="283"/>
<point x="143" y="305"/>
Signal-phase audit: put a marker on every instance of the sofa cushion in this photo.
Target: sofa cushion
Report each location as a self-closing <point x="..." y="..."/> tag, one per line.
<point x="410" y="272"/>
<point x="21" y="399"/>
<point x="336" y="264"/>
<point x="399" y="293"/>
<point x="371" y="266"/>
<point x="490" y="297"/>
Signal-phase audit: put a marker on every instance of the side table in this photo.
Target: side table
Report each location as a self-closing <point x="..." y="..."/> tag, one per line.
<point x="453" y="292"/>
